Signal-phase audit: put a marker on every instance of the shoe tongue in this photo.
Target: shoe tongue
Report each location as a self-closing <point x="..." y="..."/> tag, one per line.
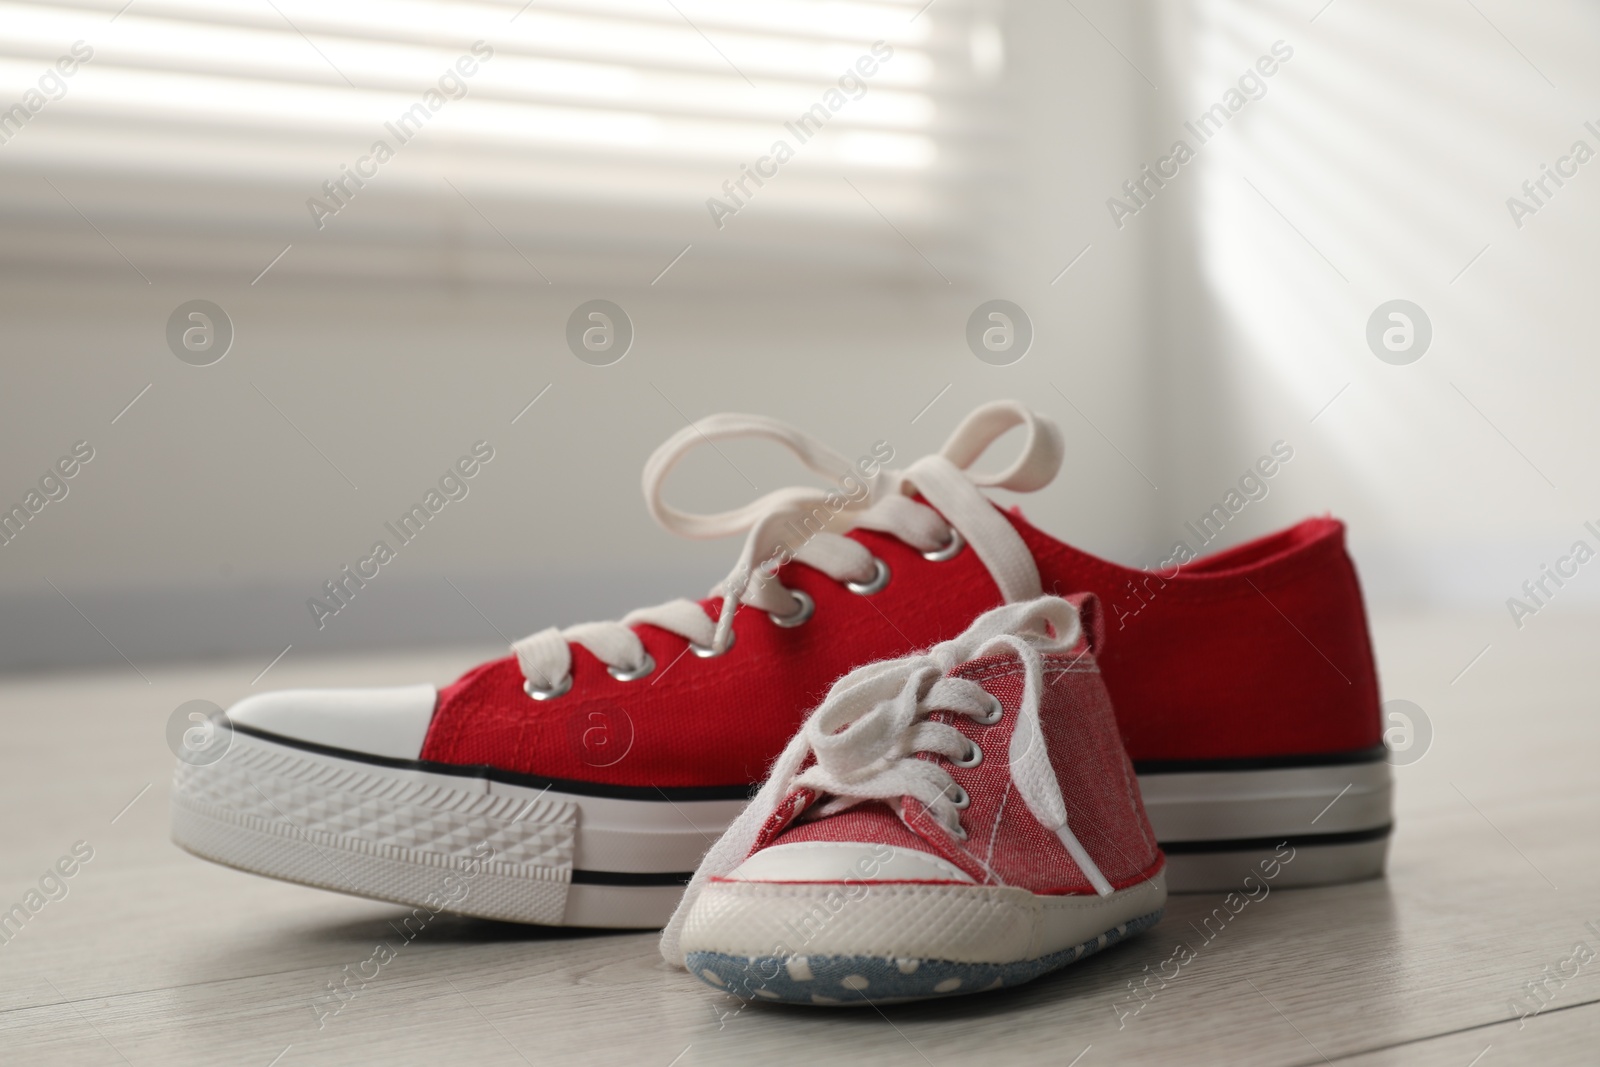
<point x="872" y="821"/>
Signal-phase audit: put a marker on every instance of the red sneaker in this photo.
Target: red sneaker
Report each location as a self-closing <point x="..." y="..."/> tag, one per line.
<point x="597" y="762"/>
<point x="950" y="822"/>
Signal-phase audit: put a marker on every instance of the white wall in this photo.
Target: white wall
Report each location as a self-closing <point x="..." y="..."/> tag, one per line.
<point x="1378" y="166"/>
<point x="206" y="520"/>
<point x="1222" y="317"/>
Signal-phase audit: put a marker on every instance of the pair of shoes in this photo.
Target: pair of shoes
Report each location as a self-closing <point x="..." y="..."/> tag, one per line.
<point x="580" y="779"/>
<point x="950" y="822"/>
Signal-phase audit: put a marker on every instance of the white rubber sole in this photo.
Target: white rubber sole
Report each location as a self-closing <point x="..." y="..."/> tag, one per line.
<point x="819" y="944"/>
<point x="905" y="920"/>
<point x="395" y="833"/>
<point x="1217" y="827"/>
<point x="555" y="857"/>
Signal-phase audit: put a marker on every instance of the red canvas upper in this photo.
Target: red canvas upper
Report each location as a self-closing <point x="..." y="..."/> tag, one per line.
<point x="1257" y="651"/>
<point x="1005" y="844"/>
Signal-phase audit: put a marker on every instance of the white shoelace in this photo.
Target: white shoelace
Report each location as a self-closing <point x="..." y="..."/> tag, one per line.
<point x="943" y="479"/>
<point x="867" y="732"/>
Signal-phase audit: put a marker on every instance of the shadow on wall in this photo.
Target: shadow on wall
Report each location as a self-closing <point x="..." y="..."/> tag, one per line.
<point x="1380" y="173"/>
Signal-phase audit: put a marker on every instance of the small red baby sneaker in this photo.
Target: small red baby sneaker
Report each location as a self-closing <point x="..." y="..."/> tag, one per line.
<point x="954" y="821"/>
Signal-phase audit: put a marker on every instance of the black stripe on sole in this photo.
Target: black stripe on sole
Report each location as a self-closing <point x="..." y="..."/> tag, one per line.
<point x="529" y="781"/>
<point x="1257" y="844"/>
<point x="1374" y="754"/>
<point x="630" y="878"/>
<point x="746" y="791"/>
<point x="1174" y="848"/>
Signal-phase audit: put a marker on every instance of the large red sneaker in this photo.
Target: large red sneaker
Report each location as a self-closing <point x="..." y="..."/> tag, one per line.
<point x="954" y="821"/>
<point x="581" y="779"/>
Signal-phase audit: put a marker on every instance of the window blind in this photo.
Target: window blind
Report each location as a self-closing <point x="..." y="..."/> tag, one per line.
<point x="543" y="142"/>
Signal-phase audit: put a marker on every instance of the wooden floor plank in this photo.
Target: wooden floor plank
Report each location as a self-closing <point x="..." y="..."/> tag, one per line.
<point x="1569" y="1035"/>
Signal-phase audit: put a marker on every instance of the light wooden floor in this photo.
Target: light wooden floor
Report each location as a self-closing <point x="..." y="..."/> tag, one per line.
<point x="157" y="958"/>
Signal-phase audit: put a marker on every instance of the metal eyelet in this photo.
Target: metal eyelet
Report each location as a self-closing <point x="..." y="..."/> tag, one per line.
<point x="993" y="715"/>
<point x="798" y="617"/>
<point x="961" y="799"/>
<point x="708" y="652"/>
<point x="973" y="757"/>
<point x="879" y="579"/>
<point x="950" y="550"/>
<point x="644" y="668"/>
<point x="539" y="693"/>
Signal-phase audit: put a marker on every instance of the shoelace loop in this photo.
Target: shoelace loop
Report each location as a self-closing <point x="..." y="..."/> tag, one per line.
<point x="872" y="754"/>
<point x="944" y="479"/>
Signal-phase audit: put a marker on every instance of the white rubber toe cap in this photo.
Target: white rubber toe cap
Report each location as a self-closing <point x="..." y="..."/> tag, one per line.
<point x="841" y="861"/>
<point x="391" y="723"/>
